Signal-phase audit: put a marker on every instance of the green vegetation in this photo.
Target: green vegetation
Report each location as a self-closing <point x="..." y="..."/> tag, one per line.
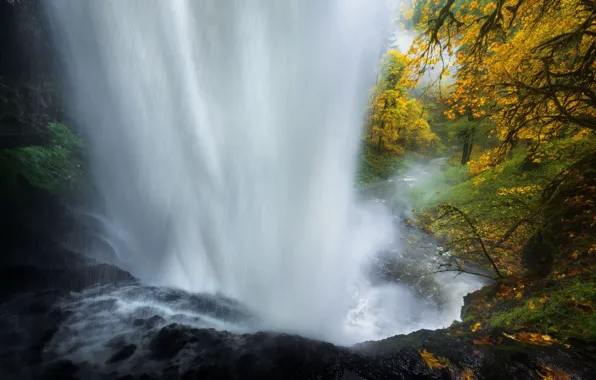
<point x="396" y="122"/>
<point x="517" y="123"/>
<point x="560" y="306"/>
<point x="58" y="166"/>
<point x="566" y="310"/>
<point x="377" y="166"/>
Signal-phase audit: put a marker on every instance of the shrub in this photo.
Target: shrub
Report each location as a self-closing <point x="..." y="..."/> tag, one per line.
<point x="52" y="167"/>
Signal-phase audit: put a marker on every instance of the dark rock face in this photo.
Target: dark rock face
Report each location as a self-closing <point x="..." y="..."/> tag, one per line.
<point x="61" y="369"/>
<point x="169" y="341"/>
<point x="15" y="279"/>
<point x="209" y="354"/>
<point x="150" y="323"/>
<point x="123" y="354"/>
<point x="27" y="52"/>
<point x="221" y="355"/>
<point x="29" y="84"/>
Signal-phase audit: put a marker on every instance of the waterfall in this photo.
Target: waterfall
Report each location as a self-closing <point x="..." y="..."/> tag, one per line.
<point x="224" y="139"/>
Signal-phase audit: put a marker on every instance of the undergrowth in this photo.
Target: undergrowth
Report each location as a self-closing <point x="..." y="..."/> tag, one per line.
<point x="567" y="310"/>
<point x="377" y="166"/>
<point x="56" y="166"/>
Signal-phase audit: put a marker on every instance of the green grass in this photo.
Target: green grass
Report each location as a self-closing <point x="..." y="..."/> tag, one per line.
<point x="555" y="311"/>
<point x="479" y="195"/>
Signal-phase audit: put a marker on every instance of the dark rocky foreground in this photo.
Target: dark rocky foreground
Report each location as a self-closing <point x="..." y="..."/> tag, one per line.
<point x="42" y="338"/>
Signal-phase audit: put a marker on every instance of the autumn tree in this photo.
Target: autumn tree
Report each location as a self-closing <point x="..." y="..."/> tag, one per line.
<point x="528" y="65"/>
<point x="396" y="123"/>
<point x="526" y="69"/>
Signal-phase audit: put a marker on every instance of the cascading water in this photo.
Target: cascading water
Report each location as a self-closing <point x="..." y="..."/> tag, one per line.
<point x="224" y="137"/>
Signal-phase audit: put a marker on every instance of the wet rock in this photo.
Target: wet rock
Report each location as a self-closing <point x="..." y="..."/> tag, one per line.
<point x="123" y="354"/>
<point x="185" y="319"/>
<point x="210" y="372"/>
<point x="62" y="278"/>
<point x="150" y="323"/>
<point x="180" y="351"/>
<point x="142" y="312"/>
<point x="404" y="268"/>
<point x="61" y="370"/>
<point x="41" y="305"/>
<point x="102" y="305"/>
<point x="350" y="376"/>
<point x="188" y="353"/>
<point x="169" y="341"/>
<point x="117" y="342"/>
<point x="11" y="280"/>
<point x="102" y="274"/>
<point x="43" y="329"/>
<point x="171" y="372"/>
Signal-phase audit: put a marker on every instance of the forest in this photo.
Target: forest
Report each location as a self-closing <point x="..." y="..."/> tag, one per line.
<point x="512" y="106"/>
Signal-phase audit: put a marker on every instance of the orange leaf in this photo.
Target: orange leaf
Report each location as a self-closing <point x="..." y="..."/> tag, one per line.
<point x="432" y="361"/>
<point x="532" y="338"/>
<point x="467" y="374"/>
<point x="548" y="373"/>
<point x="484" y="340"/>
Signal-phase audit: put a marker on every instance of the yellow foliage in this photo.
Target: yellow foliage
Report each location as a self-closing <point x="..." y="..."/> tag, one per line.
<point x="467" y="374"/>
<point x="396" y="123"/>
<point x="484" y="340"/>
<point x="525" y="65"/>
<point x="432" y="361"/>
<point x="532" y="338"/>
<point x="478" y="180"/>
<point x="548" y="373"/>
<point x="524" y="190"/>
<point x="483" y="163"/>
<point x="476" y="327"/>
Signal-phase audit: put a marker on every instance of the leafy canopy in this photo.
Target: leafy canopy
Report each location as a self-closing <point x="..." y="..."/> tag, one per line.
<point x="527" y="65"/>
<point x="396" y="123"/>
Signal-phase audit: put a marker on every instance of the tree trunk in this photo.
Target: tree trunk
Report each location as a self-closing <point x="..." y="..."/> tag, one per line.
<point x="468" y="140"/>
<point x="464" y="154"/>
<point x="467" y="150"/>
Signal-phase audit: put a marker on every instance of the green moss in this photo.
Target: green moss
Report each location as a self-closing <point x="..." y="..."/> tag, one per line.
<point x="566" y="311"/>
<point x="52" y="167"/>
